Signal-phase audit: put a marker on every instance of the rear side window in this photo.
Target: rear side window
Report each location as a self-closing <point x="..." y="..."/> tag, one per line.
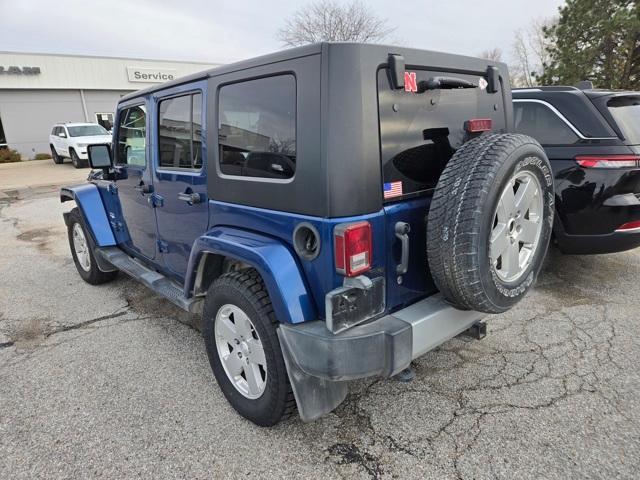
<point x="132" y="131"/>
<point x="180" y="132"/>
<point x="626" y="112"/>
<point x="257" y="128"/>
<point x="540" y="122"/>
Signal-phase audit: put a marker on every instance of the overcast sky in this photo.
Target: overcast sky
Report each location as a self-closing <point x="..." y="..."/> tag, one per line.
<point x="222" y="31"/>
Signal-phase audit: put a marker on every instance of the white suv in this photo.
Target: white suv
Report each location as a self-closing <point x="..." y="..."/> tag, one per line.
<point x="71" y="140"/>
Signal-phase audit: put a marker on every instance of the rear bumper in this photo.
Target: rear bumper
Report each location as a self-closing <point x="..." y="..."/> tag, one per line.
<point x="320" y="362"/>
<point x="594" y="244"/>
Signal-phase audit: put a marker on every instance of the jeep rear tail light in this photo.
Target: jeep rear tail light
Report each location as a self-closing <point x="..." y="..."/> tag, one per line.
<point x="352" y="243"/>
<point x="629" y="227"/>
<point x="476" y="125"/>
<point x="608" y="161"/>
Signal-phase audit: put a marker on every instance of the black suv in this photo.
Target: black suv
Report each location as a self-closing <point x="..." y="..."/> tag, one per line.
<point x="592" y="138"/>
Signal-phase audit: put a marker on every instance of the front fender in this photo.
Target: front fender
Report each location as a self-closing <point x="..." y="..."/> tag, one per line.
<point x="88" y="199"/>
<point x="291" y="301"/>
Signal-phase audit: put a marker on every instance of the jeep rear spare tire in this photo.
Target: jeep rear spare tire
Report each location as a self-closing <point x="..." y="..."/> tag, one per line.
<point x="490" y="222"/>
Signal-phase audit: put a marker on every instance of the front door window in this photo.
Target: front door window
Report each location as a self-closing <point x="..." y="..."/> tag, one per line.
<point x="131" y="144"/>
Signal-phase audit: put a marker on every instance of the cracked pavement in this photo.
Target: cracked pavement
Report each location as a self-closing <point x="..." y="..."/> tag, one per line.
<point x="113" y="382"/>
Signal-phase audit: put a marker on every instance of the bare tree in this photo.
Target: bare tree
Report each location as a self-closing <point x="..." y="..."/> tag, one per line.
<point x="521" y="75"/>
<point x="326" y="20"/>
<point x="494" y="54"/>
<point x="530" y="53"/>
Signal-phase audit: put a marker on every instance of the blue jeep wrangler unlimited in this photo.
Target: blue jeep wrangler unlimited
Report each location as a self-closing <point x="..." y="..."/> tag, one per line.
<point x="333" y="211"/>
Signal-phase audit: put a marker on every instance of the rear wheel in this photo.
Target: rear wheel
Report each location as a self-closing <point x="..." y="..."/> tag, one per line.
<point x="57" y="159"/>
<point x="490" y="222"/>
<point x="244" y="350"/>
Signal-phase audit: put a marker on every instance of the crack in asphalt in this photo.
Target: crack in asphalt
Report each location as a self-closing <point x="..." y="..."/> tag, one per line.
<point x="86" y="323"/>
<point x="563" y="349"/>
<point x="586" y="351"/>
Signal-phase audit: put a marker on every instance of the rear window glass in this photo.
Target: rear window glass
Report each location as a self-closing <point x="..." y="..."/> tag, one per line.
<point x="626" y="113"/>
<point x="87" y="131"/>
<point x="257" y="128"/>
<point x="540" y="122"/>
<point x="419" y="132"/>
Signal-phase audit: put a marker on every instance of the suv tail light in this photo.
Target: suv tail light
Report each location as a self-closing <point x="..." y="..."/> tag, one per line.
<point x="629" y="227"/>
<point x="608" y="161"/>
<point x="352" y="243"/>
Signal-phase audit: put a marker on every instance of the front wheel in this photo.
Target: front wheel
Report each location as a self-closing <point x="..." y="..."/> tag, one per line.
<point x="243" y="348"/>
<point x="490" y="222"/>
<point x="75" y="160"/>
<point x="82" y="253"/>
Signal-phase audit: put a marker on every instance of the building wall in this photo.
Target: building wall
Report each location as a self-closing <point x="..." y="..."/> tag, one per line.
<point x="98" y="73"/>
<point x="101" y="101"/>
<point x="40" y="90"/>
<point x="28" y="115"/>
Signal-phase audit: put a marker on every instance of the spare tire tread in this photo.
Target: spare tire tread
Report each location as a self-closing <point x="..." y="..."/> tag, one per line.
<point x="453" y="228"/>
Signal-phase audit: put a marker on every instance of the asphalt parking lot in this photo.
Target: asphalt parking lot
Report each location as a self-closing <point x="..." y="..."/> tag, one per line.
<point x="113" y="382"/>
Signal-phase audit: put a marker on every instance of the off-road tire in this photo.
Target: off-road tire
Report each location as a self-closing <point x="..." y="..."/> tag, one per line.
<point x="246" y="290"/>
<point x="75" y="160"/>
<point x="461" y="218"/>
<point x="57" y="159"/>
<point x="94" y="276"/>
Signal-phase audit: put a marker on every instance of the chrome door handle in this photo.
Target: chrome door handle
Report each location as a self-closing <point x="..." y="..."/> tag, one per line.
<point x="190" y="198"/>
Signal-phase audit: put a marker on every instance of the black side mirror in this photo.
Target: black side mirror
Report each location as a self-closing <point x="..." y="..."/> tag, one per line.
<point x="100" y="156"/>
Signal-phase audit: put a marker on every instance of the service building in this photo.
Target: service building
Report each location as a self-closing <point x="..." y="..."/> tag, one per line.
<point x="39" y="90"/>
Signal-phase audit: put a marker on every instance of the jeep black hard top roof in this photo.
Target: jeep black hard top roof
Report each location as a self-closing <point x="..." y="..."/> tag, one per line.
<point x="440" y="59"/>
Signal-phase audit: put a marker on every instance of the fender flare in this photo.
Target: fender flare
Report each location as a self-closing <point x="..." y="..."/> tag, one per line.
<point x="89" y="202"/>
<point x="292" y="302"/>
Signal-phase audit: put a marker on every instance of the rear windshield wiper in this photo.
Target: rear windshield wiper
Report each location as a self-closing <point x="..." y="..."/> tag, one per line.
<point x="441" y="83"/>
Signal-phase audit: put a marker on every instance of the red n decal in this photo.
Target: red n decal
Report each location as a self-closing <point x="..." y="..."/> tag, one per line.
<point x="410" y="84"/>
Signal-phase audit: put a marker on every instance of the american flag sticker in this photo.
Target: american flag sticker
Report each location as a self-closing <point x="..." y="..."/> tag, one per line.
<point x="393" y="189"/>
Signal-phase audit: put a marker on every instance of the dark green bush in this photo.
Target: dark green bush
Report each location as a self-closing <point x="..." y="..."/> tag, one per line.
<point x="8" y="155"/>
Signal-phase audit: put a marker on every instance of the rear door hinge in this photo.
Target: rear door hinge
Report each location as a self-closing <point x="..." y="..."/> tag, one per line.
<point x="163" y="247"/>
<point x="156" y="200"/>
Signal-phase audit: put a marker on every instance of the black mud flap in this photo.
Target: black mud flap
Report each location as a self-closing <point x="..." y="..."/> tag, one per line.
<point x="315" y="396"/>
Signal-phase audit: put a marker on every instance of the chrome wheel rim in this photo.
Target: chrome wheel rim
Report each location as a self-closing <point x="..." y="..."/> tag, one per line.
<point x="240" y="351"/>
<point x="517" y="225"/>
<point x="81" y="247"/>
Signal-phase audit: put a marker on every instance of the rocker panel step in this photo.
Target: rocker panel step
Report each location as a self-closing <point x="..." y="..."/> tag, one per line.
<point x="156" y="281"/>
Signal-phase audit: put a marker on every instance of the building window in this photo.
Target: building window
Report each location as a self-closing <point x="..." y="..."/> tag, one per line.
<point x="132" y="130"/>
<point x="257" y="128"/>
<point x="540" y="122"/>
<point x="105" y="120"/>
<point x="180" y="132"/>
